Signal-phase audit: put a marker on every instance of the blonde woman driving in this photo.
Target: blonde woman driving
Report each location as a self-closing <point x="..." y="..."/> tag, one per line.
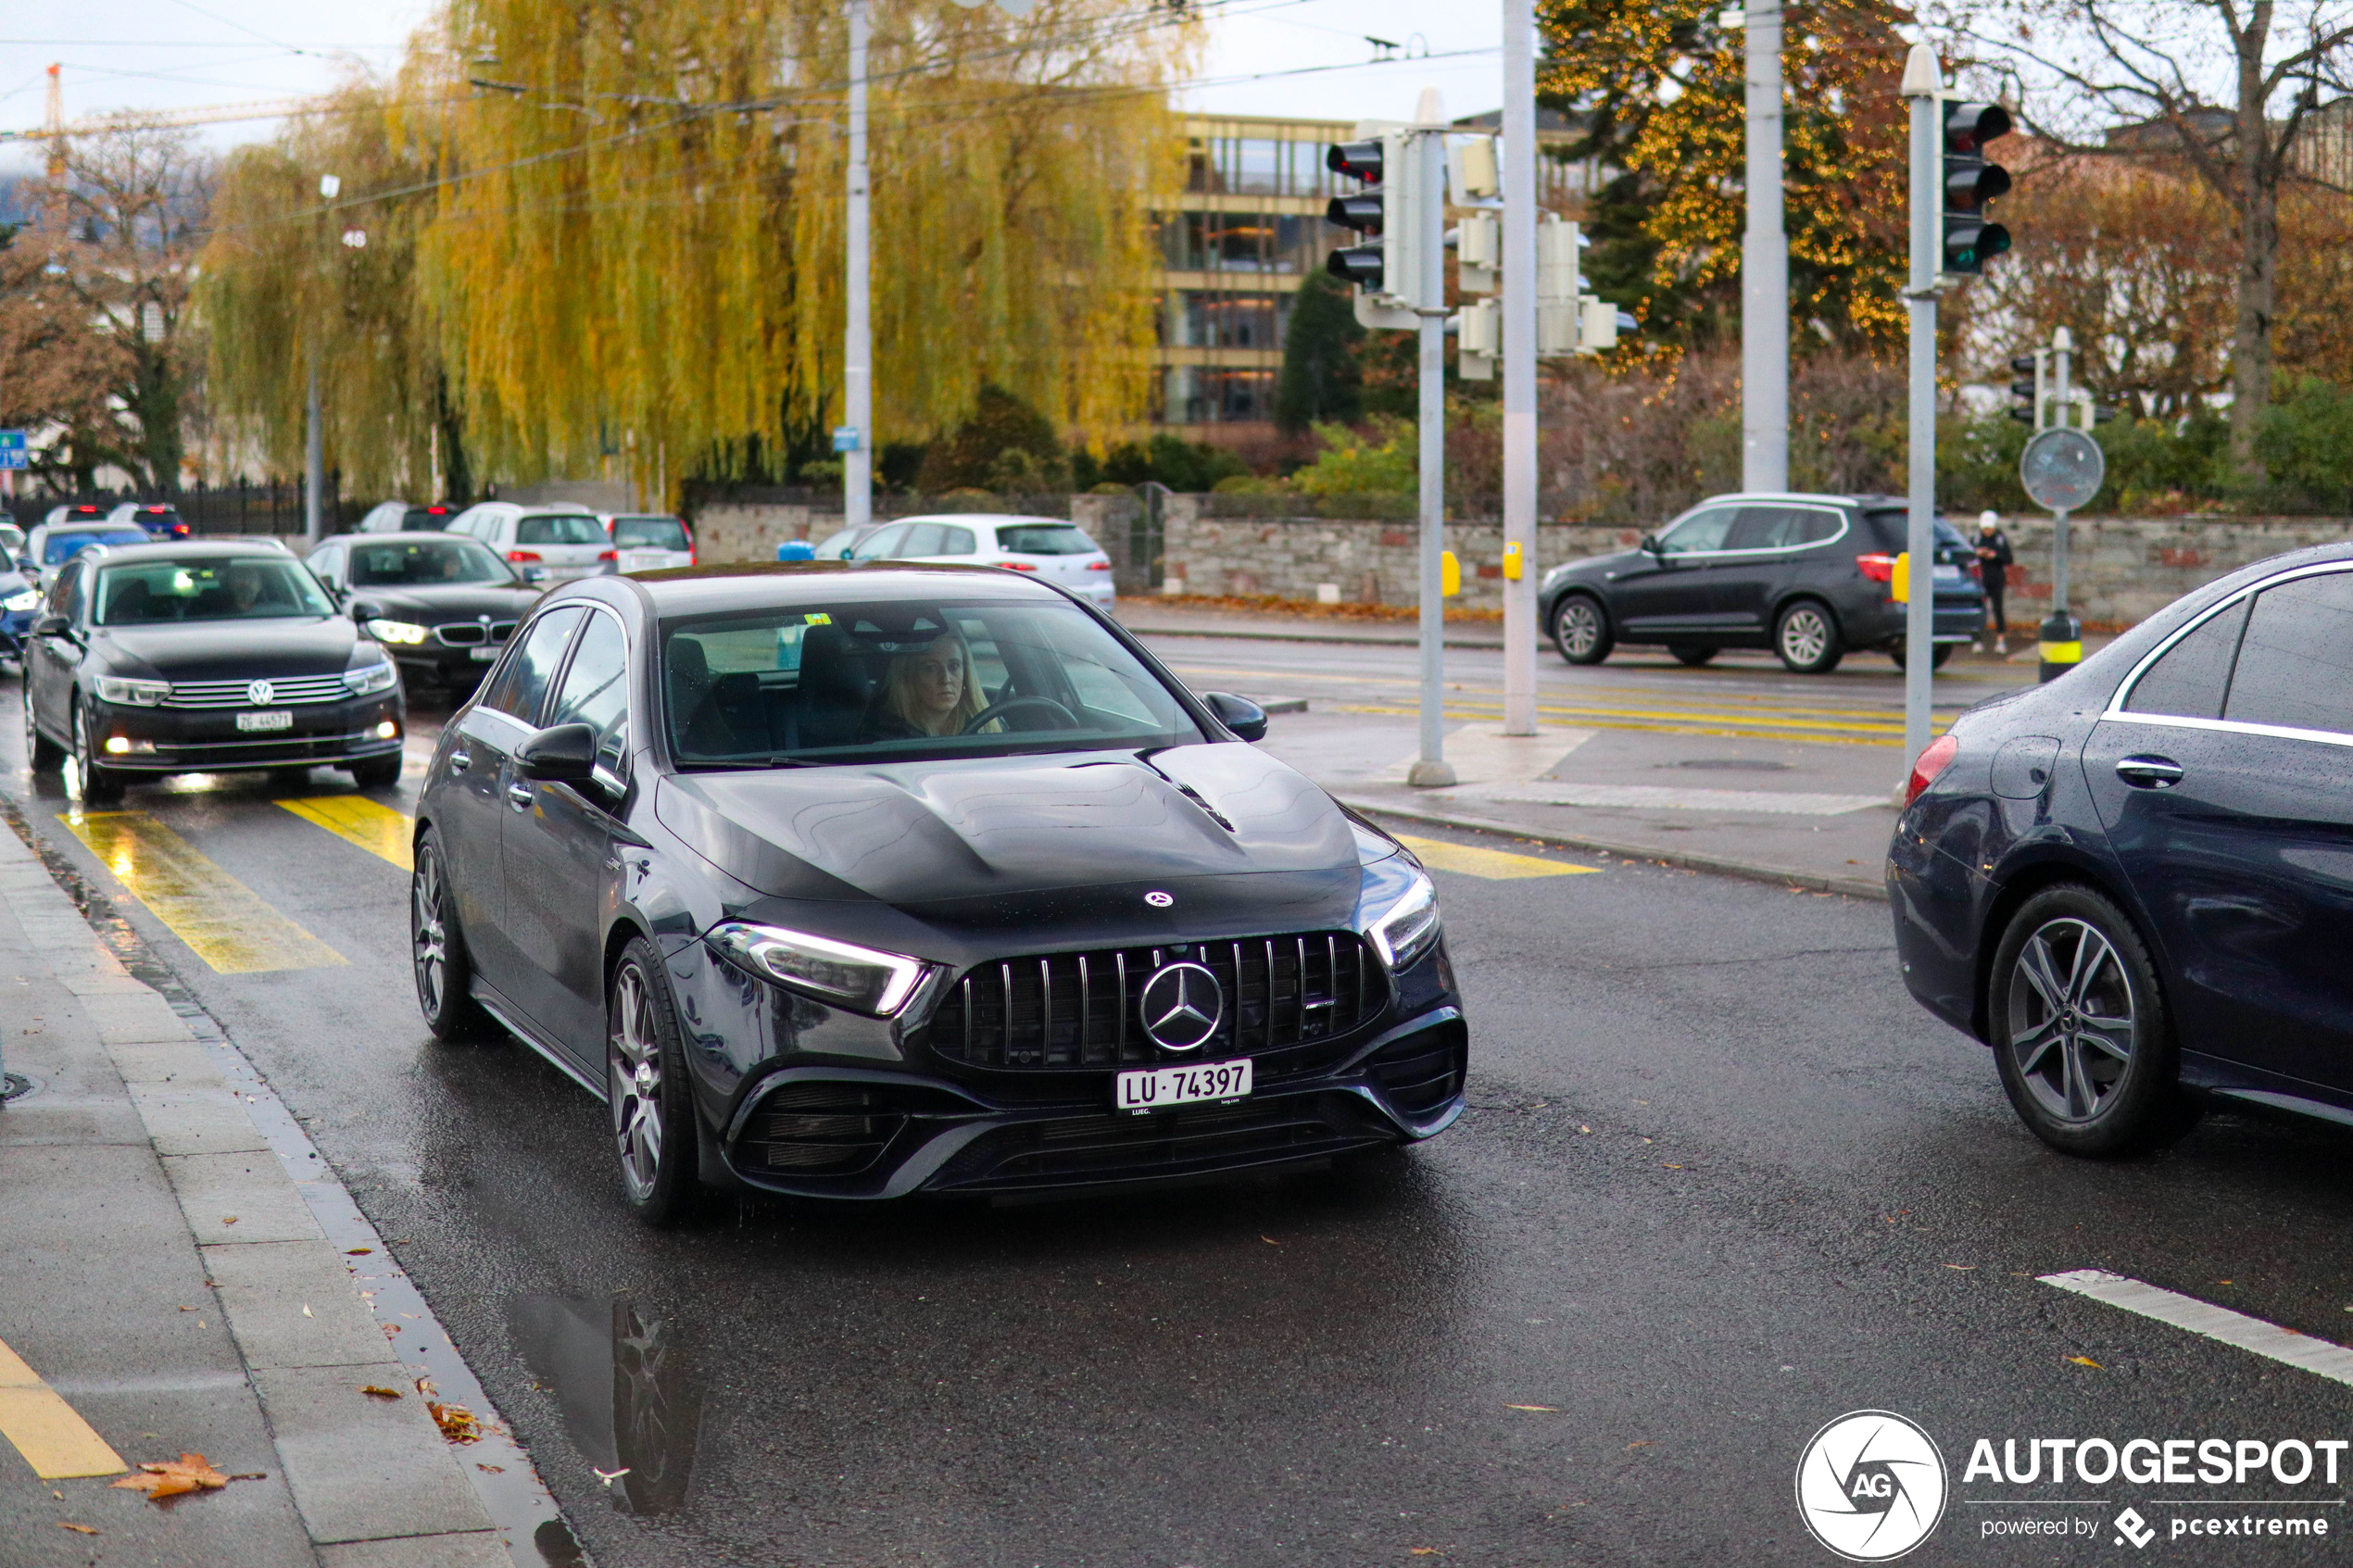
<point x="931" y="692"/>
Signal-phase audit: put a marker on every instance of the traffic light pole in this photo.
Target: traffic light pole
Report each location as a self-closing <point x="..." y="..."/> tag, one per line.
<point x="2059" y="643"/>
<point x="858" y="351"/>
<point x="1923" y="78"/>
<point x="1520" y="631"/>
<point x="1764" y="264"/>
<point x="1431" y="770"/>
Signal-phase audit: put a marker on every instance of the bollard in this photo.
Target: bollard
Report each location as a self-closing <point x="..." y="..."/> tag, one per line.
<point x="2061" y="644"/>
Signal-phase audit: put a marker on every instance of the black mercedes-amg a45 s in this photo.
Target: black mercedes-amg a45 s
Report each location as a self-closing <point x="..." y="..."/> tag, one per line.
<point x="865" y="879"/>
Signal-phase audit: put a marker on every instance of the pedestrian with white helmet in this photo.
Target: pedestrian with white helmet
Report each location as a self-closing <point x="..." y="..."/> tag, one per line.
<point x="1992" y="561"/>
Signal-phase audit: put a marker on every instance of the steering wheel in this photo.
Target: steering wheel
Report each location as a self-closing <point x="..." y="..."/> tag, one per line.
<point x="1066" y="719"/>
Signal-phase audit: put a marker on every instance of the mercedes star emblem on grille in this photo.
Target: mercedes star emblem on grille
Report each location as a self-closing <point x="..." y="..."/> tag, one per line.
<point x="261" y="694"/>
<point x="1158" y="900"/>
<point x="1181" y="1005"/>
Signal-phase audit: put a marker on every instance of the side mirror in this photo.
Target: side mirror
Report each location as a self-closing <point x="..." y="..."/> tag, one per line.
<point x="1652" y="545"/>
<point x="49" y="625"/>
<point x="560" y="754"/>
<point x="361" y="610"/>
<point x="1245" y="718"/>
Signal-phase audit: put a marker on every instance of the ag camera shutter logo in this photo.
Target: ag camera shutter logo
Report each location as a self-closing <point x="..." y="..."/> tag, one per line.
<point x="1871" y="1486"/>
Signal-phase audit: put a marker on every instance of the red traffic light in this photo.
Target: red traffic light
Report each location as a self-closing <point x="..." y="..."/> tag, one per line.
<point x="1358" y="161"/>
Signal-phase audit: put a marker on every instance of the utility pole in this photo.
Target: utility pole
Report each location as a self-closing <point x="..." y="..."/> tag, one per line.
<point x="314" y="464"/>
<point x="854" y="439"/>
<point x="1520" y="153"/>
<point x="1764" y="264"/>
<point x="1923" y="83"/>
<point x="1431" y="770"/>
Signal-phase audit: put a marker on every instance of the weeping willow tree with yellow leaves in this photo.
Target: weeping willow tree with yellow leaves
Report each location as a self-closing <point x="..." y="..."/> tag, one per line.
<point x="634" y="250"/>
<point x="288" y="275"/>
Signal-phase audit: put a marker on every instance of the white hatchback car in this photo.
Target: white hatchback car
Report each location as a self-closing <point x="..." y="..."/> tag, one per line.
<point x="1057" y="551"/>
<point x="650" y="541"/>
<point x="544" y="544"/>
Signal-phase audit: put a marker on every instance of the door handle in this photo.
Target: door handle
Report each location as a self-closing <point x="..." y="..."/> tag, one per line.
<point x="460" y="761"/>
<point x="519" y="797"/>
<point x="2149" y="773"/>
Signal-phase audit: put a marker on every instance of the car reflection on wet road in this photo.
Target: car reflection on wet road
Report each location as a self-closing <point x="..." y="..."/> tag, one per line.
<point x="1720" y="1181"/>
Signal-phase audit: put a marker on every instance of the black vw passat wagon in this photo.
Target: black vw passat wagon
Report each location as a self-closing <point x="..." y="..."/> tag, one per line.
<point x="2135" y="882"/>
<point x="865" y="879"/>
<point x="1810" y="577"/>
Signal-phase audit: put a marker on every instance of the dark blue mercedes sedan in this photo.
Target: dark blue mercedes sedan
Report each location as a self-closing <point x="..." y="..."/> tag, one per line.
<point x="2135" y="883"/>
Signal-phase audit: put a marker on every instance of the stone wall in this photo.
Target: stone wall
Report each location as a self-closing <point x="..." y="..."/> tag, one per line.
<point x="2124" y="570"/>
<point x="729" y="531"/>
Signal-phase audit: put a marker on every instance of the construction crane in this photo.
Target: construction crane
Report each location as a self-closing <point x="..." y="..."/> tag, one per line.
<point x="56" y="132"/>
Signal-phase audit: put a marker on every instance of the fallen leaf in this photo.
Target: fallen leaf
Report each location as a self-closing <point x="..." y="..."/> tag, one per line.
<point x="1674" y="1167"/>
<point x="228" y="1219"/>
<point x="306" y="1309"/>
<point x="609" y="1477"/>
<point x="357" y="1252"/>
<point x="1548" y="1409"/>
<point x="456" y="1422"/>
<point x="492" y="1469"/>
<point x="390" y="1329"/>
<point x="187" y="1309"/>
<point x="1963" y="1268"/>
<point x="377" y="1390"/>
<point x="59" y="1496"/>
<point x="1584" y="1129"/>
<point x="189" y="1472"/>
<point x="1423" y="1550"/>
<point x="2086" y="1361"/>
<point x="1644" y="1444"/>
<point x="1270" y="1241"/>
<point x="77" y="1529"/>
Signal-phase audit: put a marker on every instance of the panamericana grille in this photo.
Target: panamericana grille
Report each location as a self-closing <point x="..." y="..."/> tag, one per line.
<point x="472" y="633"/>
<point x="284" y="691"/>
<point x="1079" y="1009"/>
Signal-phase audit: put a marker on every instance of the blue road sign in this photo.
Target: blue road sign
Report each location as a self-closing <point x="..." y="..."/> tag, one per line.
<point x="12" y="449"/>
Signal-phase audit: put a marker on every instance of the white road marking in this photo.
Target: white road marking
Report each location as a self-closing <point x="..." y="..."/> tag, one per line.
<point x="2316" y="1355"/>
<point x="1661" y="797"/>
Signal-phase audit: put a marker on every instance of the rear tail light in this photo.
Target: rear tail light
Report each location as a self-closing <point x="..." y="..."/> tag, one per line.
<point x="1977" y="571"/>
<point x="690" y="557"/>
<point x="522" y="555"/>
<point x="1933" y="761"/>
<point x="1018" y="565"/>
<point x="1876" y="568"/>
<point x="608" y="555"/>
<point x="1099" y="565"/>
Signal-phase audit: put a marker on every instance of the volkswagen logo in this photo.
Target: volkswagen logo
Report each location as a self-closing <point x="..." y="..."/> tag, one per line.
<point x="261" y="694"/>
<point x="1159" y="900"/>
<point x="1181" y="1006"/>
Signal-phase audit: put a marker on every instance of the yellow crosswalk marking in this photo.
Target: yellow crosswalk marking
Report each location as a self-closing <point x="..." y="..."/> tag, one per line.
<point x="375" y="827"/>
<point x="226" y="923"/>
<point x="1495" y="865"/>
<point x="51" y="1435"/>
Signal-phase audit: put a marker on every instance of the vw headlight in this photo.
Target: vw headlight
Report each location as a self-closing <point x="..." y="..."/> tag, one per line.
<point x="854" y="977"/>
<point x="138" y="694"/>
<point x="24" y="600"/>
<point x="396" y="632"/>
<point x="369" y="678"/>
<point x="1406" y="925"/>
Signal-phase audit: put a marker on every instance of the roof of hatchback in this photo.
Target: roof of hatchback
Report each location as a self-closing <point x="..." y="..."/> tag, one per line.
<point x="704" y="590"/>
<point x="180" y="550"/>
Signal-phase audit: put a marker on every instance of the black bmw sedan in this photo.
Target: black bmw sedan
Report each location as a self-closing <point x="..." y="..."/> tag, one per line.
<point x="861" y="881"/>
<point x="201" y="658"/>
<point x="441" y="605"/>
<point x="2135" y="883"/>
<point x="1810" y="577"/>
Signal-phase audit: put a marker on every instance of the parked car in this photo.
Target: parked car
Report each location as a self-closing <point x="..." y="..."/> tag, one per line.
<point x="2132" y="883"/>
<point x="1057" y="551"/>
<point x="161" y="519"/>
<point x="75" y="511"/>
<point x="19" y="601"/>
<point x="11" y="540"/>
<point x="544" y="544"/>
<point x="860" y="882"/>
<point x="651" y="542"/>
<point x="1810" y="577"/>
<point x="838" y="545"/>
<point x="403" y="517"/>
<point x="443" y="605"/>
<point x="50" y="546"/>
<point x="201" y="658"/>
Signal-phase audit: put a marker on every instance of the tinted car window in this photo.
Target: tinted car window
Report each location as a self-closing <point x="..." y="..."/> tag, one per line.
<point x="2295" y="658"/>
<point x="651" y="534"/>
<point x="882" y="545"/>
<point x="562" y="529"/>
<point x="207" y="588"/>
<point x="596" y="689"/>
<point x="522" y="681"/>
<point x="2188" y="682"/>
<point x="1780" y="527"/>
<point x="1043" y="539"/>
<point x="1700" y="531"/>
<point x="404" y="563"/>
<point x="64" y="591"/>
<point x="1893" y="527"/>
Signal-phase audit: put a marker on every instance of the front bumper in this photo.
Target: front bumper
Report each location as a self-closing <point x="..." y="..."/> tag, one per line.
<point x="167" y="740"/>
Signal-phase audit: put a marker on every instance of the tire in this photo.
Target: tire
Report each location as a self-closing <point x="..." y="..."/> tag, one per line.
<point x="1936" y="660"/>
<point x="2069" y="955"/>
<point x="376" y="772"/>
<point x="44" y="755"/>
<point x="437" y="956"/>
<point x="1580" y="629"/>
<point x="654" y="1124"/>
<point x="1685" y="654"/>
<point x="1805" y="636"/>
<point x="100" y="786"/>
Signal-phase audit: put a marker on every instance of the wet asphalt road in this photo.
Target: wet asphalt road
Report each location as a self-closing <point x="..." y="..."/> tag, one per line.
<point x="1721" y="1180"/>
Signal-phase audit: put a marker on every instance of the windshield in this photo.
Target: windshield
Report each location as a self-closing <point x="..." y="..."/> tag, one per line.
<point x="1044" y="539"/>
<point x="563" y="529"/>
<point x="882" y="682"/>
<point x="650" y="533"/>
<point x="419" y="519"/>
<point x="410" y="563"/>
<point x="207" y="588"/>
<point x="159" y="517"/>
<point x="61" y="547"/>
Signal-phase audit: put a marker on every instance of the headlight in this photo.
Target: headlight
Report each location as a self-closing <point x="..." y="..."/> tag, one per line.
<point x="855" y="977"/>
<point x="372" y="678"/>
<point x="396" y="632"/>
<point x="142" y="694"/>
<point x="1407" y="928"/>
<point x="25" y="600"/>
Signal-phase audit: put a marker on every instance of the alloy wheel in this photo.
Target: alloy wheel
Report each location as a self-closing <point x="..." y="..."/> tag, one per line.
<point x="1805" y="636"/>
<point x="1580" y="627"/>
<point x="429" y="933"/>
<point x="2072" y="1019"/>
<point x="634" y="1063"/>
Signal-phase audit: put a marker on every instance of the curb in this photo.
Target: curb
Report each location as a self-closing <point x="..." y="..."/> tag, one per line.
<point x="1719" y="865"/>
<point x="1254" y="635"/>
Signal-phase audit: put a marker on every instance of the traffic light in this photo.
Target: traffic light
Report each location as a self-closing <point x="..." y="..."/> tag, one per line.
<point x="2027" y="387"/>
<point x="1360" y="265"/>
<point x="1971" y="183"/>
<point x="1390" y="215"/>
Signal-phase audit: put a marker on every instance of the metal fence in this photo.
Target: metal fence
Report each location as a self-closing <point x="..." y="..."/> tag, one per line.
<point x="272" y="507"/>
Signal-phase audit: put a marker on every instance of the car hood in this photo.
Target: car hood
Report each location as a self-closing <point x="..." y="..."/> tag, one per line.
<point x="451" y="601"/>
<point x="220" y="649"/>
<point x="983" y="829"/>
<point x="1601" y="566"/>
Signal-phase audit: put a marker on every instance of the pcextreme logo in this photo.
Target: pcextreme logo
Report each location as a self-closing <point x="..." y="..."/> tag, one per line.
<point x="1871" y="1486"/>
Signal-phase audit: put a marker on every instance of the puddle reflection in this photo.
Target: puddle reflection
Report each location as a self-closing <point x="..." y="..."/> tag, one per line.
<point x="629" y="1387"/>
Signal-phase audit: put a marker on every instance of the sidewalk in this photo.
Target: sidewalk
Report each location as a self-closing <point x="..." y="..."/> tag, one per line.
<point x="168" y="1285"/>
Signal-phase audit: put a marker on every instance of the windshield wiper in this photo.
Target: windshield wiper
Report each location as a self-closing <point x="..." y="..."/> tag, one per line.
<point x="793" y="763"/>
